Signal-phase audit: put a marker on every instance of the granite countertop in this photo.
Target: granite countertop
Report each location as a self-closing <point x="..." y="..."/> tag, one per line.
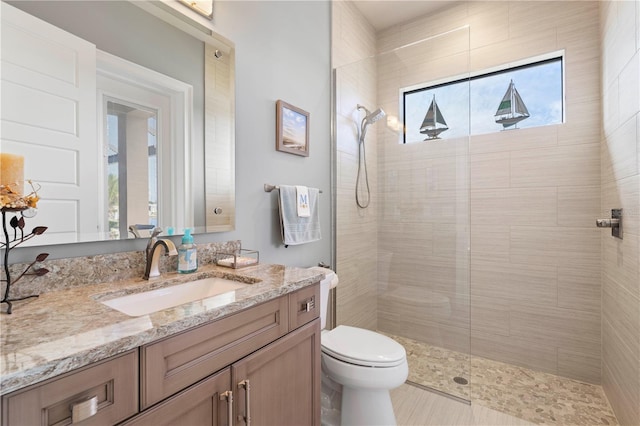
<point x="67" y="329"/>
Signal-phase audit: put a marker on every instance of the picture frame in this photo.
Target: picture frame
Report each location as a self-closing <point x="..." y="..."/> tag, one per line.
<point x="202" y="7"/>
<point x="292" y="129"/>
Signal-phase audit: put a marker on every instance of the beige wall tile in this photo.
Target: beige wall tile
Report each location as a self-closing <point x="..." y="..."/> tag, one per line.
<point x="490" y="170"/>
<point x="578" y="206"/>
<point x="580" y="365"/>
<point x="610" y="109"/>
<point x="586" y="112"/>
<point x="620" y="29"/>
<point x="489" y="23"/>
<point x="533" y="284"/>
<point x="558" y="327"/>
<point x="488" y="279"/>
<point x="531" y="44"/>
<point x="621" y="310"/>
<point x="489" y="315"/>
<point x="514" y="206"/>
<point x="490" y="244"/>
<point x="425" y="305"/>
<point x="620" y="262"/>
<point x="625" y="194"/>
<point x="579" y="285"/>
<point x="554" y="245"/>
<point x="584" y="84"/>
<point x="514" y="350"/>
<point x="620" y="152"/>
<point x="429" y="26"/>
<point x="620" y="368"/>
<point x="417" y="328"/>
<point x="629" y="87"/>
<point x="577" y="132"/>
<point x="514" y="140"/>
<point x="572" y="165"/>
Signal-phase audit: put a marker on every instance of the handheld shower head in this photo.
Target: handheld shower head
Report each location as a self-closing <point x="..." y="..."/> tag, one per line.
<point x="375" y="116"/>
<point x="371" y="117"/>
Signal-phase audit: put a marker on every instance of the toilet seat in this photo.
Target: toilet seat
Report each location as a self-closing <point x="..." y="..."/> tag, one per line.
<point x="362" y="347"/>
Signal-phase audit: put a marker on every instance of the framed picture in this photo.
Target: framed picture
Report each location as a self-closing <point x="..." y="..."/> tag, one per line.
<point x="292" y="129"/>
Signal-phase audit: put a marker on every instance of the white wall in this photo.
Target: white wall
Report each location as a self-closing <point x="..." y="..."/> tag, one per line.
<point x="282" y="52"/>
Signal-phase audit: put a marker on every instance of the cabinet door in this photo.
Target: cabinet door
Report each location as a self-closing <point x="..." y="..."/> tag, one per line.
<point x="206" y="403"/>
<point x="283" y="381"/>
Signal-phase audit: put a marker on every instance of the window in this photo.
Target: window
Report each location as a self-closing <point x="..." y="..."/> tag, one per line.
<point x="522" y="96"/>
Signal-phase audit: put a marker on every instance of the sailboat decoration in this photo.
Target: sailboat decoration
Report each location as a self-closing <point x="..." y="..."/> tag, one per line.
<point x="433" y="123"/>
<point x="512" y="109"/>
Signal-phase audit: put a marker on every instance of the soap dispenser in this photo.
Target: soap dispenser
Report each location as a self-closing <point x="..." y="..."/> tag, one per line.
<point x="187" y="254"/>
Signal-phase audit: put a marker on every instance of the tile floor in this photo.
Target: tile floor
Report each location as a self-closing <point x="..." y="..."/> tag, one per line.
<point x="417" y="407"/>
<point x="533" y="396"/>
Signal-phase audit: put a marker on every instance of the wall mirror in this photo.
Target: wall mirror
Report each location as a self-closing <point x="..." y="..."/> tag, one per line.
<point x="124" y="112"/>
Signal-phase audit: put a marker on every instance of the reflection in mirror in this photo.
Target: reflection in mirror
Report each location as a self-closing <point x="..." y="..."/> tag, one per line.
<point x="57" y="50"/>
<point x="144" y="119"/>
<point x="132" y="190"/>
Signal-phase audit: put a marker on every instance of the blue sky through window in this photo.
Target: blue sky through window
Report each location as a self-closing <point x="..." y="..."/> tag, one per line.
<point x="469" y="106"/>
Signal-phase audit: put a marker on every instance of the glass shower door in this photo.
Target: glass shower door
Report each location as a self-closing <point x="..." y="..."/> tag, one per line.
<point x="419" y="180"/>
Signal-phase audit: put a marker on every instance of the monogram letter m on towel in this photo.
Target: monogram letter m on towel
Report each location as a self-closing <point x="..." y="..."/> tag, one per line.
<point x="299" y="214"/>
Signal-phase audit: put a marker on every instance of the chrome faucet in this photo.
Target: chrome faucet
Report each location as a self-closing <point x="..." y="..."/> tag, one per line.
<point x="153" y="254"/>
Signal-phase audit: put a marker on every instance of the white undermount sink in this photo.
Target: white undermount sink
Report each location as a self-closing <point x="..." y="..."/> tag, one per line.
<point x="216" y="291"/>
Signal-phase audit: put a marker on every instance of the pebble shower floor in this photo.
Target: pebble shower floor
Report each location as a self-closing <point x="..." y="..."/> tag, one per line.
<point x="534" y="396"/>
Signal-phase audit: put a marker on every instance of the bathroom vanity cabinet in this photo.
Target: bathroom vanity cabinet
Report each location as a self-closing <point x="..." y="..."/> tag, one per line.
<point x="258" y="366"/>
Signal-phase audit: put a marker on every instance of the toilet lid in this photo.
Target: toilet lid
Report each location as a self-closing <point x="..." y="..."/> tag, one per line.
<point x="362" y="347"/>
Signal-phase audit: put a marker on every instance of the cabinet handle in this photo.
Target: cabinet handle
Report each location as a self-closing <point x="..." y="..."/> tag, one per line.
<point x="228" y="395"/>
<point x="84" y="409"/>
<point x="308" y="305"/>
<point x="247" y="402"/>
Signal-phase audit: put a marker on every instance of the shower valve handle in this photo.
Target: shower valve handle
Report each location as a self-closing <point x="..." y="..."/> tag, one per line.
<point x="607" y="223"/>
<point x="615" y="223"/>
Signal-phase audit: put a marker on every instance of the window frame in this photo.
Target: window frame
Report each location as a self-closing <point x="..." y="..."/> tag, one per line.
<point x="551" y="57"/>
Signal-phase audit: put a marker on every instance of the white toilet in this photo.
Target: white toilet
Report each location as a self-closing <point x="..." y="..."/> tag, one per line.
<point x="359" y="367"/>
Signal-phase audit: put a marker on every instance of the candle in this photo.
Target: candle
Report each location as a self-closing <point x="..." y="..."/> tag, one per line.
<point x="12" y="172"/>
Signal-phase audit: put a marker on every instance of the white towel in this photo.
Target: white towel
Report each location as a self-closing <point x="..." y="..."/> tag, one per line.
<point x="302" y="201"/>
<point x="295" y="229"/>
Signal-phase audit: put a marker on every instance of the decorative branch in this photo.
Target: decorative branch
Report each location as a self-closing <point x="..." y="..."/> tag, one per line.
<point x="19" y="224"/>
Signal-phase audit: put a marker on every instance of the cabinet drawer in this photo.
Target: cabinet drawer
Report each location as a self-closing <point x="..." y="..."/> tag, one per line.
<point x="304" y="306"/>
<point x="110" y="389"/>
<point x="172" y="364"/>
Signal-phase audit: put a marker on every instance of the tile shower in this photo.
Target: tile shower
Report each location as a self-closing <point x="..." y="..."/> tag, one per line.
<point x="486" y="245"/>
